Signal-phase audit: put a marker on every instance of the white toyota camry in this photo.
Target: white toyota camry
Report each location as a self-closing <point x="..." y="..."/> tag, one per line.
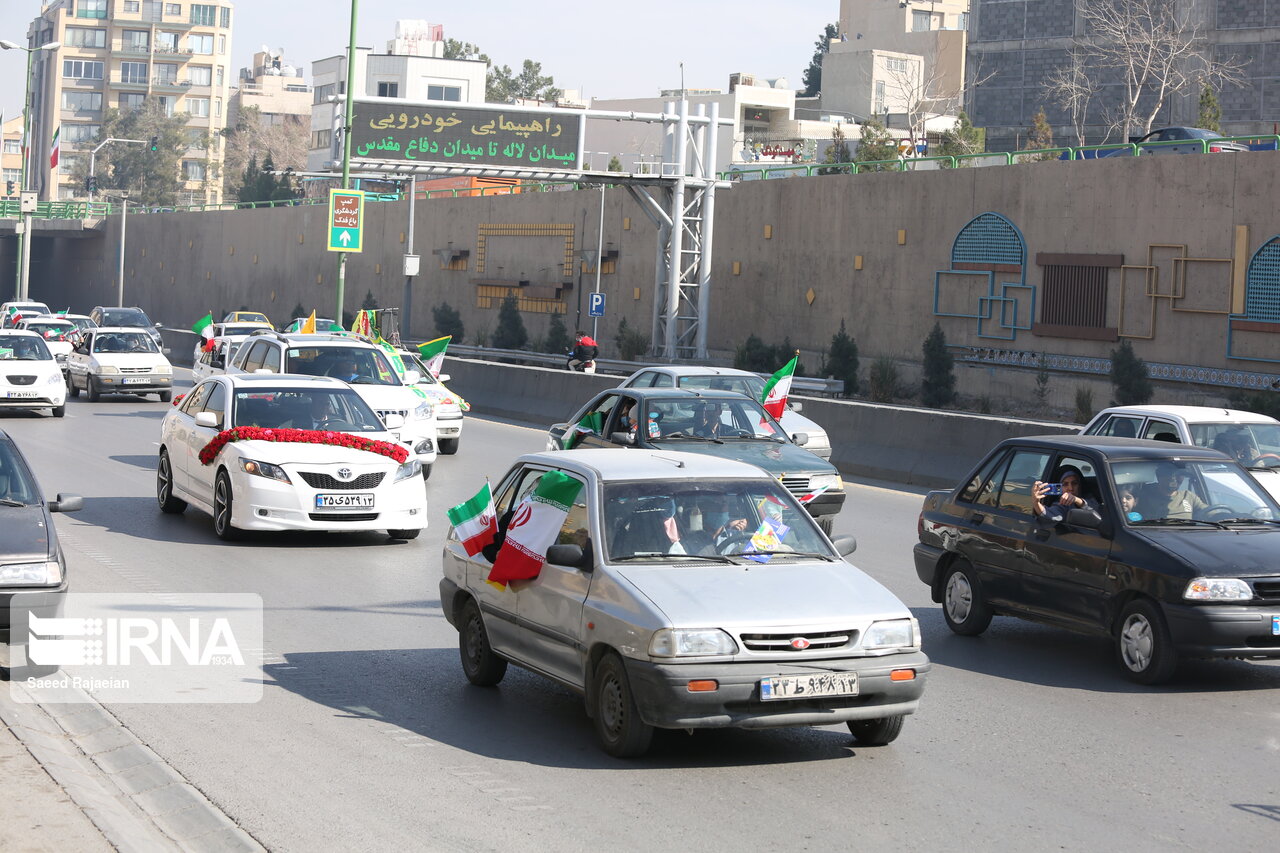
<point x="281" y="452"/>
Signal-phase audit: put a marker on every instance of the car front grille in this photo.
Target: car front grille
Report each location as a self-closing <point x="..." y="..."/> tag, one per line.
<point x="382" y="413"/>
<point x="796" y="485"/>
<point x="135" y="370"/>
<point x="343" y="516"/>
<point x="21" y="380"/>
<point x="317" y="480"/>
<point x="817" y="641"/>
<point x="1267" y="588"/>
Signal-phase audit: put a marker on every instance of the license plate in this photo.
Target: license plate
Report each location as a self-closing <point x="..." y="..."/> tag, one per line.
<point x="804" y="686"/>
<point x="21" y="395"/>
<point x="136" y="380"/>
<point x="362" y="501"/>
<point x="1275" y="625"/>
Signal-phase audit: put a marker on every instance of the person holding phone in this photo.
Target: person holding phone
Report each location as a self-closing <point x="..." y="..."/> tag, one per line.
<point x="1053" y="504"/>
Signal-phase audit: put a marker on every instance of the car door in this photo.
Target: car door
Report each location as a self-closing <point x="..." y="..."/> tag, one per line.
<point x="498" y="604"/>
<point x="605" y="407"/>
<point x="1117" y="426"/>
<point x="1161" y="430"/>
<point x="549" y="607"/>
<point x="78" y="361"/>
<point x="178" y="439"/>
<point x="1065" y="571"/>
<point x="201" y="476"/>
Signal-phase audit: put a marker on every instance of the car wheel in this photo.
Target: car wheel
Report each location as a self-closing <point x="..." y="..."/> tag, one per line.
<point x="164" y="487"/>
<point x="617" y="719"/>
<point x="1143" y="643"/>
<point x="482" y="667"/>
<point x="878" y="732"/>
<point x="403" y="534"/>
<point x="60" y="411"/>
<point x="827" y="523"/>
<point x="426" y="472"/>
<point x="222" y="508"/>
<point x="72" y="388"/>
<point x="448" y="446"/>
<point x="165" y="396"/>
<point x="962" y="605"/>
<point x="91" y="389"/>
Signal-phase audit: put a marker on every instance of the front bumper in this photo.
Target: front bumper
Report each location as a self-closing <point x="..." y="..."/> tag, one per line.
<point x="45" y="603"/>
<point x="662" y="694"/>
<point x="126" y="383"/>
<point x="49" y="396"/>
<point x="262" y="504"/>
<point x="1223" y="630"/>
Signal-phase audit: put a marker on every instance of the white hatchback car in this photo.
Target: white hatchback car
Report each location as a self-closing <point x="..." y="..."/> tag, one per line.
<point x="316" y="458"/>
<point x="30" y="378"/>
<point x="448" y="404"/>
<point x="701" y="378"/>
<point x="117" y="360"/>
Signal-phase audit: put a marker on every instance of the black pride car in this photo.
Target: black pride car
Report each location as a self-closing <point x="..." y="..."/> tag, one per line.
<point x="1180" y="559"/>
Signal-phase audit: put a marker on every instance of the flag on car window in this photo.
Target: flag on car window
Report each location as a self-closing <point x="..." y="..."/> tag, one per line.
<point x="475" y="521"/>
<point x="433" y="354"/>
<point x="591" y="424"/>
<point x="777" y="389"/>
<point x="204" y="326"/>
<point x="533" y="529"/>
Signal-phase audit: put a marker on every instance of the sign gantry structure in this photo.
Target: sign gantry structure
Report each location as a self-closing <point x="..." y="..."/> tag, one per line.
<point x="404" y="140"/>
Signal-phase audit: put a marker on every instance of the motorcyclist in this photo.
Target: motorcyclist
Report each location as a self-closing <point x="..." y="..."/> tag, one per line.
<point x="584" y="352"/>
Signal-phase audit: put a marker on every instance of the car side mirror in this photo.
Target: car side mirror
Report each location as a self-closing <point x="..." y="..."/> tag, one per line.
<point x="564" y="555"/>
<point x="66" y="503"/>
<point x="443" y="377"/>
<point x="623" y="438"/>
<point x="207" y="419"/>
<point x="412" y="377"/>
<point x="845" y="545"/>
<point x="796" y="406"/>
<point x="393" y="420"/>
<point x="1083" y="517"/>
<point x="800" y="438"/>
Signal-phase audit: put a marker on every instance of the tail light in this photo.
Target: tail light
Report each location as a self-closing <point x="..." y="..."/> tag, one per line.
<point x="1215" y="149"/>
<point x="920" y="525"/>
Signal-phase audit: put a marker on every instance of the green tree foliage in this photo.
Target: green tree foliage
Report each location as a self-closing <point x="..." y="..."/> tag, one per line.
<point x="842" y="360"/>
<point x="1129" y="376"/>
<point x="1263" y="402"/>
<point x="557" y="339"/>
<point x="283" y="142"/>
<point x="1084" y="405"/>
<point x="1039" y="137"/>
<point x="258" y="184"/>
<point x="448" y="322"/>
<point x="615" y="165"/>
<point x="298" y="311"/>
<point x="150" y="177"/>
<point x="964" y="138"/>
<point x="757" y="356"/>
<point x="813" y="74"/>
<point x="837" y="152"/>
<point x="510" y="333"/>
<point x="1210" y="117"/>
<point x="883" y="385"/>
<point x="1042" y="382"/>
<point x="503" y="85"/>
<point x="938" y="385"/>
<point x="370" y="302"/>
<point x="876" y="144"/>
<point x="631" y="342"/>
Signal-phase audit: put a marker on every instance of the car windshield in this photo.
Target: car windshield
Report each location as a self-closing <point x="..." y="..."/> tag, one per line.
<point x="1181" y="491"/>
<point x="124" y="342"/>
<point x="675" y="419"/>
<point x="17" y="486"/>
<point x="354" y="364"/>
<point x="239" y="328"/>
<point x="750" y="386"/>
<point x="30" y="308"/>
<point x="1252" y="445"/>
<point x="412" y="362"/>
<point x="1198" y="133"/>
<point x="23" y="348"/>
<point x="304" y="408"/>
<point x="755" y="519"/>
<point x="249" y="316"/>
<point x="52" y="331"/>
<point x="127" y="317"/>
<point x="82" y="322"/>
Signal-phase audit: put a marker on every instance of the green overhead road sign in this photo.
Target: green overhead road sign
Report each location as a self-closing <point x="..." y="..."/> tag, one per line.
<point x="346" y="221"/>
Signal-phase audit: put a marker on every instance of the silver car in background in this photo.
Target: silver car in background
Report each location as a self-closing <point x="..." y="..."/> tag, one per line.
<point x="686" y="592"/>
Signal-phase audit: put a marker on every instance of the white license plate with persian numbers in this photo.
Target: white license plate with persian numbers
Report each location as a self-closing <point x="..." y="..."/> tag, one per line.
<point x="806" y="686"/>
<point x="21" y="395"/>
<point x="347" y="501"/>
<point x="136" y="380"/>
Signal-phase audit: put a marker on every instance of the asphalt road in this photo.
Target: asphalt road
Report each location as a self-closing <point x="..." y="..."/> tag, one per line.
<point x="369" y="737"/>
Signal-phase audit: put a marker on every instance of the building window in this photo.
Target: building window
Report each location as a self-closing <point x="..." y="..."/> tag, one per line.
<point x="323" y="93"/>
<point x="198" y="107"/>
<point x="892" y="64"/>
<point x="91" y="9"/>
<point x="133" y="72"/>
<point x="166" y="103"/>
<point x="14" y="175"/>
<point x="202" y="44"/>
<point x="879" y="97"/>
<point x="964" y="20"/>
<point x="225" y="18"/>
<point x="81" y="101"/>
<point x="80" y="132"/>
<point x="321" y="138"/>
<point x="219" y="76"/>
<point x="132" y="5"/>
<point x="166" y="72"/>
<point x="167" y="42"/>
<point x="222" y="45"/>
<point x="173" y="10"/>
<point x="921" y="21"/>
<point x="388" y="90"/>
<point x="197" y="140"/>
<point x="193" y="170"/>
<point x="13" y="146"/>
<point x="68" y="165"/>
<point x="444" y="93"/>
<point x="85" y="37"/>
<point x="203" y="15"/>
<point x="217" y="107"/>
<point x="131" y="101"/>
<point x="80" y="69"/>
<point x="201" y="75"/>
<point x="135" y="40"/>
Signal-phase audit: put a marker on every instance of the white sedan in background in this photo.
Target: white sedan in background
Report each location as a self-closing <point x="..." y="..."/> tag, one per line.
<point x="58" y="334"/>
<point x="337" y="476"/>
<point x="30" y="378"/>
<point x="448" y="404"/>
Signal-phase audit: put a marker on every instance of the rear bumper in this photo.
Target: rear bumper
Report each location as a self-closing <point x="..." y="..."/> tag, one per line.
<point x="927" y="557"/>
<point x="1224" y="630"/>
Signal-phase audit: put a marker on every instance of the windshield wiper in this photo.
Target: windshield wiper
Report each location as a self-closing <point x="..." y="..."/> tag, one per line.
<point x="10" y="502"/>
<point x="652" y="555"/>
<point x="809" y="555"/>
<point x="688" y="437"/>
<point x="1248" y="520"/>
<point x="1179" y="522"/>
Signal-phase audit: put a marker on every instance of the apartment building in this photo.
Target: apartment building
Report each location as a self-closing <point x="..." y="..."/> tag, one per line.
<point x="116" y="54"/>
<point x="11" y="153"/>
<point x="275" y="89"/>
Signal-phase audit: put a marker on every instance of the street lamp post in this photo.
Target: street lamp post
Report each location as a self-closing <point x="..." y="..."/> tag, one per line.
<point x="123" y="197"/>
<point x="349" y="112"/>
<point x="93" y="159"/>
<point x="24" y="242"/>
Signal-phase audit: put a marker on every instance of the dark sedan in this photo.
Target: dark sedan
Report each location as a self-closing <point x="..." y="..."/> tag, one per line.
<point x="717" y="423"/>
<point x="1171" y="551"/>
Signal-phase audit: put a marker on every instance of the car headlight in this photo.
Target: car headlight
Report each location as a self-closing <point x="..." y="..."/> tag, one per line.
<point x="828" y="481"/>
<point x="55" y="379"/>
<point x="31" y="574"/>
<point x="684" y="642"/>
<point x="1217" y="589"/>
<point x="424" y="411"/>
<point x="108" y="368"/>
<point x="409" y="469"/>
<point x="893" y="633"/>
<point x="264" y="469"/>
<point x="164" y="369"/>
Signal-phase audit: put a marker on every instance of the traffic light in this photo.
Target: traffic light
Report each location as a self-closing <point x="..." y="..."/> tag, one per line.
<point x="91" y="184"/>
<point x="9" y="187"/>
<point x="155" y="143"/>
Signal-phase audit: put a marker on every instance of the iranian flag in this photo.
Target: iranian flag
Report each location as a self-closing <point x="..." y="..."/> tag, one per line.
<point x="533" y="529"/>
<point x="591" y="424"/>
<point x="433" y="354"/>
<point x="778" y="388"/>
<point x="55" y="148"/>
<point x="204" y="328"/>
<point x="14" y="316"/>
<point x="475" y="521"/>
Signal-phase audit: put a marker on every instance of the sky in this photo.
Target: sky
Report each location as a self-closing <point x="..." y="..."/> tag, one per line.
<point x="605" y="50"/>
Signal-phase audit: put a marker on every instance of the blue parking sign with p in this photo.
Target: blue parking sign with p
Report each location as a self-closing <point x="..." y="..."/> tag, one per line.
<point x="595" y="305"/>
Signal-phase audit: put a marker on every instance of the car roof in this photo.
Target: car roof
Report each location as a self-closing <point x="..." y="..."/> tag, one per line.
<point x="289" y="380"/>
<point x="320" y="339"/>
<point x="641" y="464"/>
<point x="132" y="330"/>
<point x="1117" y="448"/>
<point x="696" y="370"/>
<point x="27" y="333"/>
<point x="44" y="318"/>
<point x="1191" y="414"/>
<point x="692" y="393"/>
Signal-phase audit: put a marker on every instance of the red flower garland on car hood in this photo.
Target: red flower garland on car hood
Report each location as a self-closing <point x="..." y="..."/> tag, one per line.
<point x="300" y="436"/>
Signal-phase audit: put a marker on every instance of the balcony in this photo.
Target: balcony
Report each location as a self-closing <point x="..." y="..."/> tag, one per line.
<point x="129" y="84"/>
<point x="175" y="54"/>
<point x="125" y="49"/>
<point x="170" y="84"/>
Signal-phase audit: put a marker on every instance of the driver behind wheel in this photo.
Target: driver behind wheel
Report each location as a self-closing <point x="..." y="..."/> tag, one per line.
<point x="318" y="411"/>
<point x="1165" y="499"/>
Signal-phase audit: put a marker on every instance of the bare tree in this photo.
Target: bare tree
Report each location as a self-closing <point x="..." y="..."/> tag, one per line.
<point x="919" y="94"/>
<point x="1073" y="88"/>
<point x="284" y="143"/>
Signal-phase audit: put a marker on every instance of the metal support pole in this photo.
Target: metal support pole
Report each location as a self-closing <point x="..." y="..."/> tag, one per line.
<point x="24" y="286"/>
<point x="346" y="147"/>
<point x="595" y="321"/>
<point x="124" y="221"/>
<point x="93" y="170"/>
<point x="676" y="272"/>
<point x="407" y="312"/>
<point x="712" y="140"/>
<point x="24" y="239"/>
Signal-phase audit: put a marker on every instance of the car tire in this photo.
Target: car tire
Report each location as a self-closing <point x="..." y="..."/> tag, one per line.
<point x="878" y="732"/>
<point x="480" y="664"/>
<point x="222" y="506"/>
<point x="1144" y="645"/>
<point x="827" y="523"/>
<point x="962" y="605"/>
<point x="164" y="486"/>
<point x="403" y="534"/>
<point x="91" y="389"/>
<point x="426" y="472"/>
<point x="59" y="411"/>
<point x="72" y="388"/>
<point x="622" y="733"/>
<point x="165" y="396"/>
<point x="448" y="446"/>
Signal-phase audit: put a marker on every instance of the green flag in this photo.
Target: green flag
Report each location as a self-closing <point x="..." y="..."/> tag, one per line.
<point x="433" y="354"/>
<point x="591" y="424"/>
<point x="204" y="326"/>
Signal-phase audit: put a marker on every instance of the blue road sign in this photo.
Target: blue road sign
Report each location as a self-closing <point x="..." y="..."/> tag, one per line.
<point x="595" y="304"/>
